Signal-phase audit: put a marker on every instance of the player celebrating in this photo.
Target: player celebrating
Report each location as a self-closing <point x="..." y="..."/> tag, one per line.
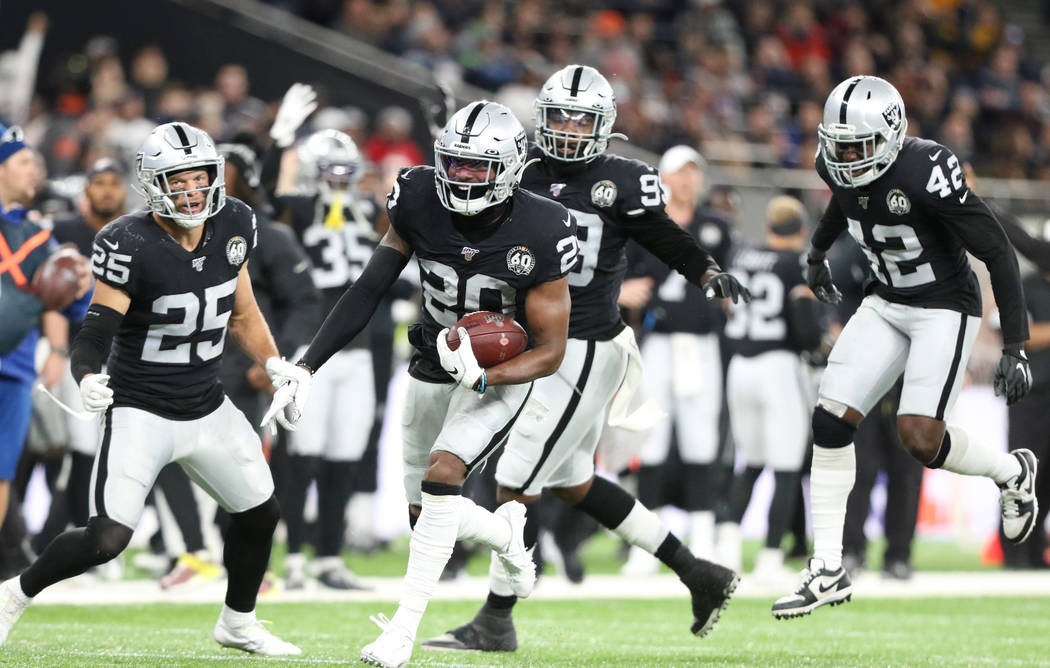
<point x="906" y="202"/>
<point x="482" y="244"/>
<point x="170" y="280"/>
<point x="553" y="443"/>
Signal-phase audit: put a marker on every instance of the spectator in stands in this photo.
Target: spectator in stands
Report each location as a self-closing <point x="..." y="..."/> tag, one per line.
<point x="393" y="135"/>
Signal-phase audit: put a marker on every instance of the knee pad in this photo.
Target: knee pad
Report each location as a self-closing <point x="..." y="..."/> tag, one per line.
<point x="109" y="537"/>
<point x="260" y="520"/>
<point x="830" y="431"/>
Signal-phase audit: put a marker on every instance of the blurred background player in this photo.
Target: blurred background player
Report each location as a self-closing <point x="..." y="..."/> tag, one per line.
<point x="683" y="364"/>
<point x="337" y="227"/>
<point x="769" y="403"/>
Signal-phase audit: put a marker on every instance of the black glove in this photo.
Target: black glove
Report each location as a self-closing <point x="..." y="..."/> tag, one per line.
<point x="725" y="286"/>
<point x="1013" y="378"/>
<point x="818" y="275"/>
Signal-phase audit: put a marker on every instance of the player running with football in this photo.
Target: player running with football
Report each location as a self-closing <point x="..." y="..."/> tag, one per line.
<point x="481" y="243"/>
<point x="553" y="443"/>
<point x="171" y="279"/>
<point x="906" y="202"/>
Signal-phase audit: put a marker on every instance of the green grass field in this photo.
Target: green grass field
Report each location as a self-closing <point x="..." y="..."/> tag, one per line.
<point x="941" y="632"/>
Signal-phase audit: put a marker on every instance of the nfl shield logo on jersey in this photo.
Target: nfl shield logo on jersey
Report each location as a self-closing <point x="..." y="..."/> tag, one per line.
<point x="863" y="201"/>
<point x="198" y="263"/>
<point x="236" y="250"/>
<point x="556" y="189"/>
<point x="603" y="194"/>
<point x="898" y="202"/>
<point x="520" y="260"/>
<point x="468" y="253"/>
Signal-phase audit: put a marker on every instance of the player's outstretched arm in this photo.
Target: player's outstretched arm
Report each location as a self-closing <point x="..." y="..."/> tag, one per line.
<point x="91" y="346"/>
<point x="355" y="308"/>
<point x="547" y="309"/>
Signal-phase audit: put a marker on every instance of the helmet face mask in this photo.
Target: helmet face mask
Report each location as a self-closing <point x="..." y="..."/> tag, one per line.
<point x="479" y="157"/>
<point x="567" y="100"/>
<point x="170" y="151"/>
<point x="863" y="130"/>
<point x="335" y="160"/>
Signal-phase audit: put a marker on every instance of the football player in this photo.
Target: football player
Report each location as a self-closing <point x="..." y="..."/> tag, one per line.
<point x="906" y="202"/>
<point x="171" y="279"/>
<point x="482" y="244"/>
<point x="553" y="443"/>
<point x="768" y="401"/>
<point x="337" y="228"/>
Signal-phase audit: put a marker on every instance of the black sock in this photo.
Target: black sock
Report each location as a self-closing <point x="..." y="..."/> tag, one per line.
<point x="607" y="502"/>
<point x="740" y="492"/>
<point x="335" y="484"/>
<point x="247" y="553"/>
<point x="302" y="469"/>
<point x="782" y="507"/>
<point x="677" y="556"/>
<point x="75" y="551"/>
<point x="498" y="606"/>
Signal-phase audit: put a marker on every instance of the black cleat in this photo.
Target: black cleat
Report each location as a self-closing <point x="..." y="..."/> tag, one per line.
<point x="484" y="633"/>
<point x="710" y="586"/>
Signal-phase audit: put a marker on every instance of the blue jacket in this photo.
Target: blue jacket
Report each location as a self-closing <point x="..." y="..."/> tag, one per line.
<point x="19" y="310"/>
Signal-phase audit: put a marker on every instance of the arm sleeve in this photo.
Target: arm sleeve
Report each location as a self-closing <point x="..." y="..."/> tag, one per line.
<point x="90" y="348"/>
<point x="675" y="247"/>
<point x="1036" y="250"/>
<point x="982" y="235"/>
<point x="355" y="308"/>
<point x="829" y="227"/>
<point x="295" y="298"/>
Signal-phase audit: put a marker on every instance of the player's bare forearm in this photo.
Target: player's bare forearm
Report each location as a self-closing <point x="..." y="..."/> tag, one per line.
<point x="547" y="310"/>
<point x="247" y="325"/>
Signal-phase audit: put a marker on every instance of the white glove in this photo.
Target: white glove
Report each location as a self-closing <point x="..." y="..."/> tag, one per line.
<point x="95" y="393"/>
<point x="298" y="103"/>
<point x="293" y="389"/>
<point x="460" y="363"/>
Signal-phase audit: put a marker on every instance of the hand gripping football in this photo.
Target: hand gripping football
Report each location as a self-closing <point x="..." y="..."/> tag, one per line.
<point x="494" y="337"/>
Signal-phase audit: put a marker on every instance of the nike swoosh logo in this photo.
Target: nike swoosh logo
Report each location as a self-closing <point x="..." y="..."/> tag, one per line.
<point x="962" y="200"/>
<point x="113" y="246"/>
<point x="568" y="221"/>
<point x="453" y="371"/>
<point x="933" y="158"/>
<point x="301" y="267"/>
<point x="824" y="589"/>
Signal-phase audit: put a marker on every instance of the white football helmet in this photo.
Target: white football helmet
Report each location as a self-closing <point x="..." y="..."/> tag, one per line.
<point x="485" y="134"/>
<point x="178" y="147"/>
<point x="332" y="158"/>
<point x="576" y="89"/>
<point x="867" y="114"/>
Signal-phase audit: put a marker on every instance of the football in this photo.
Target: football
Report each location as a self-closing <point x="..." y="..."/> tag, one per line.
<point x="494" y="337"/>
<point x="55" y="282"/>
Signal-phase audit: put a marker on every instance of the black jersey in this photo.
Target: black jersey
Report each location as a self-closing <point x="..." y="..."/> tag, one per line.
<point x="339" y="251"/>
<point x="167" y="351"/>
<point x="604" y="195"/>
<point x="463" y="270"/>
<point x="915" y="224"/>
<point x="765" y="323"/>
<point x="676" y="304"/>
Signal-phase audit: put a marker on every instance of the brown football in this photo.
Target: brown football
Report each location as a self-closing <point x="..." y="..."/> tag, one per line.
<point x="494" y="337"/>
<point x="55" y="282"/>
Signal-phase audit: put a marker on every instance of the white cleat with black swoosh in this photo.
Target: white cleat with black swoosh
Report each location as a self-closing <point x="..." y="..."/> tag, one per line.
<point x="817" y="586"/>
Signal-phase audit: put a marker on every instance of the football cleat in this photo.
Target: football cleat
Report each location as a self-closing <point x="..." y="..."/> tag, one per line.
<point x="484" y="633"/>
<point x="189" y="567"/>
<point x="333" y="573"/>
<point x="254" y="638"/>
<point x="13" y="603"/>
<point x="817" y="586"/>
<point x="521" y="569"/>
<point x="393" y="647"/>
<point x="294" y="571"/>
<point x="710" y="587"/>
<point x="1017" y="498"/>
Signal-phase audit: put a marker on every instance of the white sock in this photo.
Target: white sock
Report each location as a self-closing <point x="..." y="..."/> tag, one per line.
<point x="236" y="620"/>
<point x="499" y="582"/>
<point x="481" y="526"/>
<point x="834" y="471"/>
<point x="428" y="552"/>
<point x="643" y="528"/>
<point x="969" y="458"/>
<point x="702" y="534"/>
<point x="20" y="594"/>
